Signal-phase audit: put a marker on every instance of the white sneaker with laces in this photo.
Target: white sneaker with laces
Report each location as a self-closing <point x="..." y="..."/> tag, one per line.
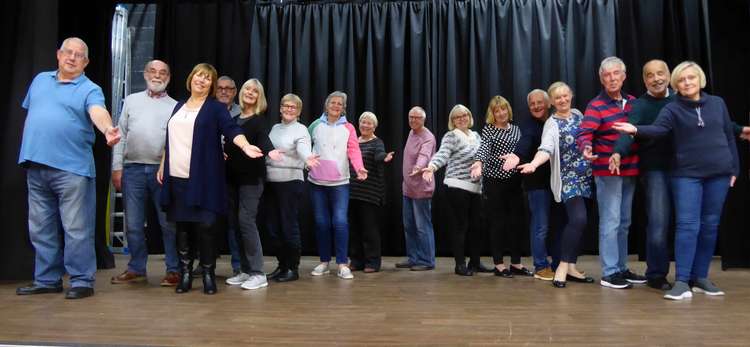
<point x="238" y="279"/>
<point x="320" y="270"/>
<point x="345" y="273"/>
<point x="255" y="282"/>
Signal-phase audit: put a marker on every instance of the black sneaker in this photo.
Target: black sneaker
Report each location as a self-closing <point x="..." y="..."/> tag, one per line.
<point x="660" y="283"/>
<point x="632" y="278"/>
<point x="615" y="281"/>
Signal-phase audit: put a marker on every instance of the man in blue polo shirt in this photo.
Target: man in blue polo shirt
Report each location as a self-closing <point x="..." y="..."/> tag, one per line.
<point x="56" y="151"/>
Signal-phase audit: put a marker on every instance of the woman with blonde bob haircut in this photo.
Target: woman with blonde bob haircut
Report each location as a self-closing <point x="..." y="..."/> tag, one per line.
<point x="503" y="197"/>
<point x="457" y="150"/>
<point x="704" y="166"/>
<point x="570" y="178"/>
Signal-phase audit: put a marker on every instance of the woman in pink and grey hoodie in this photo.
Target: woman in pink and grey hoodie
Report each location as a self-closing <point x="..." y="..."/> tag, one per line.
<point x="335" y="143"/>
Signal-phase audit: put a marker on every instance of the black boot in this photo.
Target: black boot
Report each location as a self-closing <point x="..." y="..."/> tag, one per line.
<point x="209" y="279"/>
<point x="186" y="263"/>
<point x="208" y="258"/>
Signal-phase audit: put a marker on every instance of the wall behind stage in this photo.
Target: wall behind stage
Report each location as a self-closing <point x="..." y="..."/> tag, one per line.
<point x="388" y="56"/>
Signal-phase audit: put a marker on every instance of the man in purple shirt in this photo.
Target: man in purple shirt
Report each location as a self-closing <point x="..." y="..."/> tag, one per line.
<point x="420" y="238"/>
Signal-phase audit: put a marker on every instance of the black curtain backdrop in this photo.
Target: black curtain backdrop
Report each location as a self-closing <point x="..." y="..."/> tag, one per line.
<point x="387" y="56"/>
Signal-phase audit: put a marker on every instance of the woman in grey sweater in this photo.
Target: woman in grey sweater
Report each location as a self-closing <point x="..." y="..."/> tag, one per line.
<point x="284" y="187"/>
<point x="457" y="150"/>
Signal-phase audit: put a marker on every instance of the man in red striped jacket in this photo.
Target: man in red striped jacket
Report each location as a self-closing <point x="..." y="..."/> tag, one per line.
<point x="614" y="185"/>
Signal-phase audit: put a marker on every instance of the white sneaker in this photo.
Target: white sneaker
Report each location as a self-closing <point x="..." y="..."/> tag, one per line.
<point x="345" y="273"/>
<point x="238" y="279"/>
<point x="320" y="270"/>
<point x="255" y="282"/>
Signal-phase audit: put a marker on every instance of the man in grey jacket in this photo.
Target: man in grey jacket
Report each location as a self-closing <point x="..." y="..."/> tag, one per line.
<point x="143" y="123"/>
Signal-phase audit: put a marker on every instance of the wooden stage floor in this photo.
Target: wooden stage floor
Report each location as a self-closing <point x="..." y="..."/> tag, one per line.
<point x="393" y="307"/>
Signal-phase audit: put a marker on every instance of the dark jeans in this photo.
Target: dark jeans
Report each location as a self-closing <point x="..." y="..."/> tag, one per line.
<point x="540" y="201"/>
<point x="570" y="240"/>
<point x="243" y="210"/>
<point x="282" y="219"/>
<point x="364" y="234"/>
<point x="466" y="208"/>
<point x="502" y="205"/>
<point x="658" y="210"/>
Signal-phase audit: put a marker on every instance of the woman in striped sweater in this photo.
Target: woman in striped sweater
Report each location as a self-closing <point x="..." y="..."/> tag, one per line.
<point x="457" y="150"/>
<point x="366" y="199"/>
<point x="502" y="200"/>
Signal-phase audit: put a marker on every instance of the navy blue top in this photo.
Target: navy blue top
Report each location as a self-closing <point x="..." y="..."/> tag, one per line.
<point x="207" y="183"/>
<point x="699" y="151"/>
<point x="531" y="138"/>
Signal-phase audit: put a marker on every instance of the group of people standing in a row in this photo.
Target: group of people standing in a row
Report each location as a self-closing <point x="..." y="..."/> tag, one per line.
<point x="207" y="157"/>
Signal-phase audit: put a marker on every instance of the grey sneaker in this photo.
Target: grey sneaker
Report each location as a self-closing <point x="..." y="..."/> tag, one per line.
<point x="345" y="273"/>
<point x="238" y="279"/>
<point x="679" y="291"/>
<point x="320" y="270"/>
<point x="255" y="282"/>
<point x="703" y="285"/>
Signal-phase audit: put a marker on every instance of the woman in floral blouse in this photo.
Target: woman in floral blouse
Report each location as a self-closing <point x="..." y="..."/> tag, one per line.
<point x="570" y="178"/>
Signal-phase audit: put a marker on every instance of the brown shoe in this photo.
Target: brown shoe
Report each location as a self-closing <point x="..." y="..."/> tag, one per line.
<point x="370" y="270"/>
<point x="545" y="274"/>
<point x="128" y="277"/>
<point x="170" y="280"/>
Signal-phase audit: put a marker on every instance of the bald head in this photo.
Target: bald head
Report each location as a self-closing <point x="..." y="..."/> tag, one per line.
<point x="156" y="74"/>
<point x="656" y="77"/>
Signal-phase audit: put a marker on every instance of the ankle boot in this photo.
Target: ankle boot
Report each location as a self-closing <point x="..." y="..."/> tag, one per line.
<point x="281" y="268"/>
<point x="209" y="279"/>
<point x="186" y="263"/>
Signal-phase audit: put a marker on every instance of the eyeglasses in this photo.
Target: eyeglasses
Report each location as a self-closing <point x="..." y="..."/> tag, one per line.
<point x="291" y="107"/>
<point x="163" y="73"/>
<point x="226" y="89"/>
<point x="70" y="53"/>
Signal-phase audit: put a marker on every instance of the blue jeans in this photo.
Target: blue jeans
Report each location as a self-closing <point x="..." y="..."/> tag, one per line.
<point x="539" y="208"/>
<point x="698" y="205"/>
<point x="330" y="206"/>
<point x="614" y="196"/>
<point x="62" y="199"/>
<point x="658" y="210"/>
<point x="139" y="188"/>
<point x="420" y="238"/>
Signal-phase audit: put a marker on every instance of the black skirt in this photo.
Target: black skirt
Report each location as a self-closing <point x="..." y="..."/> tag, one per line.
<point x="179" y="211"/>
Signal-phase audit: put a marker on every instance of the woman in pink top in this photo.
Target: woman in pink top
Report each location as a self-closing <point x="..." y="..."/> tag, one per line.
<point x="335" y="143"/>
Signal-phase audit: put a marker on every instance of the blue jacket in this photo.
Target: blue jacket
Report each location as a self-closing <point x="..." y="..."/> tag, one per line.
<point x="700" y="151"/>
<point x="207" y="183"/>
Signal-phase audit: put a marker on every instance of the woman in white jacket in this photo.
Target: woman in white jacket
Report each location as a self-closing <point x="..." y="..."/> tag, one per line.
<point x="570" y="178"/>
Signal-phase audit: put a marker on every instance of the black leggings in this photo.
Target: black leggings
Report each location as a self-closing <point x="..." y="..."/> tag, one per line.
<point x="570" y="240"/>
<point x="197" y="236"/>
<point x="466" y="212"/>
<point x="502" y="204"/>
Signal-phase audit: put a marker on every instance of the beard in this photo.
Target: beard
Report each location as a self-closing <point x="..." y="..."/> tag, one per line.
<point x="156" y="86"/>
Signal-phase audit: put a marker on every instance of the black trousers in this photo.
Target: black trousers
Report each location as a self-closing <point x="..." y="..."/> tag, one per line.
<point x="466" y="208"/>
<point x="364" y="234"/>
<point x="502" y="204"/>
<point x="282" y="201"/>
<point x="570" y="240"/>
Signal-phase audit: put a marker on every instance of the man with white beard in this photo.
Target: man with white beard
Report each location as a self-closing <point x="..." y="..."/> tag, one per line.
<point x="136" y="159"/>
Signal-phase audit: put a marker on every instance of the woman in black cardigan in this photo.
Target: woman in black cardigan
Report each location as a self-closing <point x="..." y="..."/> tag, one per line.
<point x="192" y="173"/>
<point x="246" y="177"/>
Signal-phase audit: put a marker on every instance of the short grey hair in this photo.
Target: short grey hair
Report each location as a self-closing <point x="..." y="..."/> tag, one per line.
<point x="336" y="94"/>
<point x="609" y="61"/>
<point x="76" y="39"/>
<point x="419" y="110"/>
<point x="226" y="78"/>
<point x="169" y="69"/>
<point x="537" y="91"/>
<point x="369" y="116"/>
